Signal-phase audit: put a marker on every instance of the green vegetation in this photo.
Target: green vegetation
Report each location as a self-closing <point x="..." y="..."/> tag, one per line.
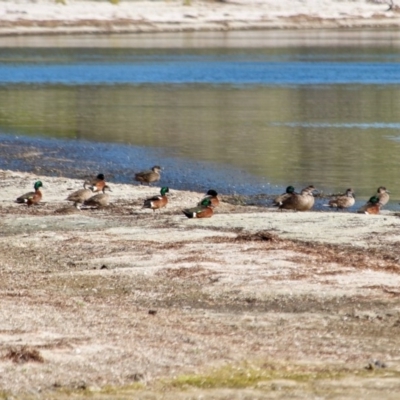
<point x="253" y="376"/>
<point x="248" y="375"/>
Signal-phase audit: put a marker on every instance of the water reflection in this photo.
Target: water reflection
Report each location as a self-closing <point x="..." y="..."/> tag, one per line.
<point x="333" y="137"/>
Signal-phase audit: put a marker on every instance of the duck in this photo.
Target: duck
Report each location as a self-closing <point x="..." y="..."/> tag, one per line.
<point x="99" y="200"/>
<point x="32" y="198"/>
<point x="80" y="196"/>
<point x="345" y="201"/>
<point x="281" y="198"/>
<point x="299" y="202"/>
<point x="204" y="210"/>
<point x="157" y="202"/>
<point x="373" y="206"/>
<point x="213" y="196"/>
<point x="97" y="184"/>
<point x="309" y="191"/>
<point x="383" y="195"/>
<point x="149" y="176"/>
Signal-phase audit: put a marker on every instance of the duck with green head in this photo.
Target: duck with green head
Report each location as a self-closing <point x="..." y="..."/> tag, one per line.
<point x="373" y="206"/>
<point x="32" y="198"/>
<point x="213" y="196"/>
<point x="300" y="202"/>
<point x="157" y="202"/>
<point x="203" y="210"/>
<point x="281" y="198"/>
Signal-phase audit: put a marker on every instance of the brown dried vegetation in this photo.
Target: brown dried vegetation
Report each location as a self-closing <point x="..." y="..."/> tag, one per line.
<point x="24" y="354"/>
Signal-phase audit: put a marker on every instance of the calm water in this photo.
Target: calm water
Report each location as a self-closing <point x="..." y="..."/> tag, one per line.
<point x="248" y="112"/>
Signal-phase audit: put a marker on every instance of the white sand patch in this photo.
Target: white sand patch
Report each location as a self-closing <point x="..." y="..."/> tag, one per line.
<point x="163" y="16"/>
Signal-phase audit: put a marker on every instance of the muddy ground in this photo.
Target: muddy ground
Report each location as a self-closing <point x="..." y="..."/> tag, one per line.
<point x="253" y="303"/>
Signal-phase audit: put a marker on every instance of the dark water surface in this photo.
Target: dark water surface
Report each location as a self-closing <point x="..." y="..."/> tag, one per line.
<point x="245" y="112"/>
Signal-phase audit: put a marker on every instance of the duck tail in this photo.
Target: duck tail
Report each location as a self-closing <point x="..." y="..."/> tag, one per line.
<point x="147" y="204"/>
<point x="189" y="214"/>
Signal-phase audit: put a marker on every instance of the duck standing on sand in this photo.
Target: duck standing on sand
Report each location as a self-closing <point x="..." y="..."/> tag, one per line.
<point x="373" y="206"/>
<point x="300" y="202"/>
<point x="157" y="202"/>
<point x="204" y="210"/>
<point x="80" y="196"/>
<point x="149" y="176"/>
<point x="212" y="195"/>
<point x="32" y="198"/>
<point x="345" y="201"/>
<point x="99" y="200"/>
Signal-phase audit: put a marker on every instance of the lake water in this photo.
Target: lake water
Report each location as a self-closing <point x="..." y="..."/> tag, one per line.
<point x="244" y="112"/>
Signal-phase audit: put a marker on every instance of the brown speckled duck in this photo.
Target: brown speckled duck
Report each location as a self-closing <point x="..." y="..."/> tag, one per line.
<point x="383" y="195"/>
<point x="80" y="196"/>
<point x="99" y="200"/>
<point x="149" y="176"/>
<point x="345" y="201"/>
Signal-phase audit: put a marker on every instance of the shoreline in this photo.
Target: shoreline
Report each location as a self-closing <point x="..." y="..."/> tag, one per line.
<point x="79" y="17"/>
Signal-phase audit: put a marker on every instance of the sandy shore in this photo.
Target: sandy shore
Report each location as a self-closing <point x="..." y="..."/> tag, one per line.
<point x="50" y="17"/>
<point x="252" y="303"/>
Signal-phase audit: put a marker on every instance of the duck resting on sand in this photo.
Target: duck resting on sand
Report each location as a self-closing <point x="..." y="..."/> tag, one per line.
<point x="32" y="198"/>
<point x="213" y="196"/>
<point x="157" y="202"/>
<point x="80" y="196"/>
<point x="99" y="200"/>
<point x="204" y="210"/>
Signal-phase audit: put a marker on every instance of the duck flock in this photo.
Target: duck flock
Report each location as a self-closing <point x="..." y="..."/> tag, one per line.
<point x="94" y="195"/>
<point x="304" y="200"/>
